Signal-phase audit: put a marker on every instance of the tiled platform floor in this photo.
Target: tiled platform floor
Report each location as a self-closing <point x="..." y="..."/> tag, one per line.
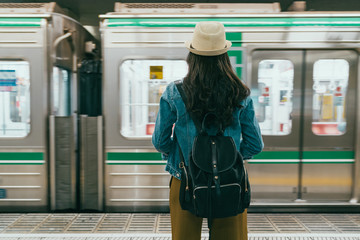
<point x="157" y="226"/>
<point x="94" y="236"/>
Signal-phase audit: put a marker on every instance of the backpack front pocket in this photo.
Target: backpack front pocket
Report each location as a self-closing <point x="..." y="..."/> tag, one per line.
<point x="217" y="206"/>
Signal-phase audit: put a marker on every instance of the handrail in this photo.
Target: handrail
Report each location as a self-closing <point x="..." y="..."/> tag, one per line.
<point x="56" y="43"/>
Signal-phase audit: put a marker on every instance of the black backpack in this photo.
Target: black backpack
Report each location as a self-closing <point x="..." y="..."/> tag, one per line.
<point x="215" y="184"/>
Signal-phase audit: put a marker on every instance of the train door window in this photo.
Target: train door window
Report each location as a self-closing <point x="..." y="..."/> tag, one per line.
<point x="14" y="98"/>
<point x="61" y="92"/>
<point x="330" y="81"/>
<point x="274" y="99"/>
<point x="142" y="83"/>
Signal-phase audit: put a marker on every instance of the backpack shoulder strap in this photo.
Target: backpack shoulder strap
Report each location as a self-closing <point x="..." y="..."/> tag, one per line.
<point x="196" y="121"/>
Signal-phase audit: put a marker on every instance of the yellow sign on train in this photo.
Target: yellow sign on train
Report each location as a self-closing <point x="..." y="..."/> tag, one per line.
<point x="156" y="72"/>
<point x="327" y="107"/>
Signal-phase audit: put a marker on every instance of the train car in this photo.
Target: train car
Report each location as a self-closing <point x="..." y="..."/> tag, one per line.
<point x="302" y="68"/>
<point x="41" y="50"/>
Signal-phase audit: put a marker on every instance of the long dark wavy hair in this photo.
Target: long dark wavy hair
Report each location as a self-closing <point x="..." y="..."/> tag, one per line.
<point x="212" y="86"/>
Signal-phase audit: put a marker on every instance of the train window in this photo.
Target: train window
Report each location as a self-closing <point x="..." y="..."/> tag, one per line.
<point x="274" y="99"/>
<point x="14" y="98"/>
<point x="61" y="92"/>
<point x="142" y="83"/>
<point x="330" y="81"/>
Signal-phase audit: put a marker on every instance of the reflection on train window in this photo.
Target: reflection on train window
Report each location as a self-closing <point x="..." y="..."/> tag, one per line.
<point x="14" y="98"/>
<point x="61" y="92"/>
<point x="274" y="99"/>
<point x="142" y="83"/>
<point x="330" y="81"/>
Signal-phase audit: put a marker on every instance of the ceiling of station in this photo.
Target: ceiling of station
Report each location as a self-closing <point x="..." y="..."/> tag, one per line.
<point x="87" y="11"/>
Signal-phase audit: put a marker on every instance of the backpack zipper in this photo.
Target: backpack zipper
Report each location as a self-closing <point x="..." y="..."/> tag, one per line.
<point x="225" y="185"/>
<point x="246" y="187"/>
<point x="187" y="181"/>
<point x="182" y="165"/>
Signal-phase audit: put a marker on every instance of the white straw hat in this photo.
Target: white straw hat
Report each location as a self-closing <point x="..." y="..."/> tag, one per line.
<point x="208" y="39"/>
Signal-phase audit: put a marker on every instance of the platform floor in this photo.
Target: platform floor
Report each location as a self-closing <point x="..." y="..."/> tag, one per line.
<point x="137" y="226"/>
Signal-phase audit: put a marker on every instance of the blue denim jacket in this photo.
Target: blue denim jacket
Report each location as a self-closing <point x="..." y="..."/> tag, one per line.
<point x="244" y="130"/>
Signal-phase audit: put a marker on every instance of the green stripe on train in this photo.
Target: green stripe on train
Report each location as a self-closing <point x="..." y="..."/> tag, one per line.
<point x="307" y="155"/>
<point x="277" y="155"/>
<point x="20" y="22"/>
<point x="237" y="54"/>
<point x="236" y="22"/>
<point x="235" y="38"/>
<point x="267" y="157"/>
<point x="329" y="155"/>
<point x="21" y="156"/>
<point x="26" y="158"/>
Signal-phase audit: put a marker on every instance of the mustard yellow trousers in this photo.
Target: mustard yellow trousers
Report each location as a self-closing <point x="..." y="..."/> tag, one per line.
<point x="186" y="226"/>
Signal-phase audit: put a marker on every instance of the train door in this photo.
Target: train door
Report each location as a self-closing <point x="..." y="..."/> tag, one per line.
<point x="305" y="105"/>
<point x="63" y="128"/>
<point x="329" y="125"/>
<point x="276" y="91"/>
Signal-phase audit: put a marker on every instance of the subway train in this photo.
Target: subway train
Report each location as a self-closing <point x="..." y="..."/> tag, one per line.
<point x="302" y="69"/>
